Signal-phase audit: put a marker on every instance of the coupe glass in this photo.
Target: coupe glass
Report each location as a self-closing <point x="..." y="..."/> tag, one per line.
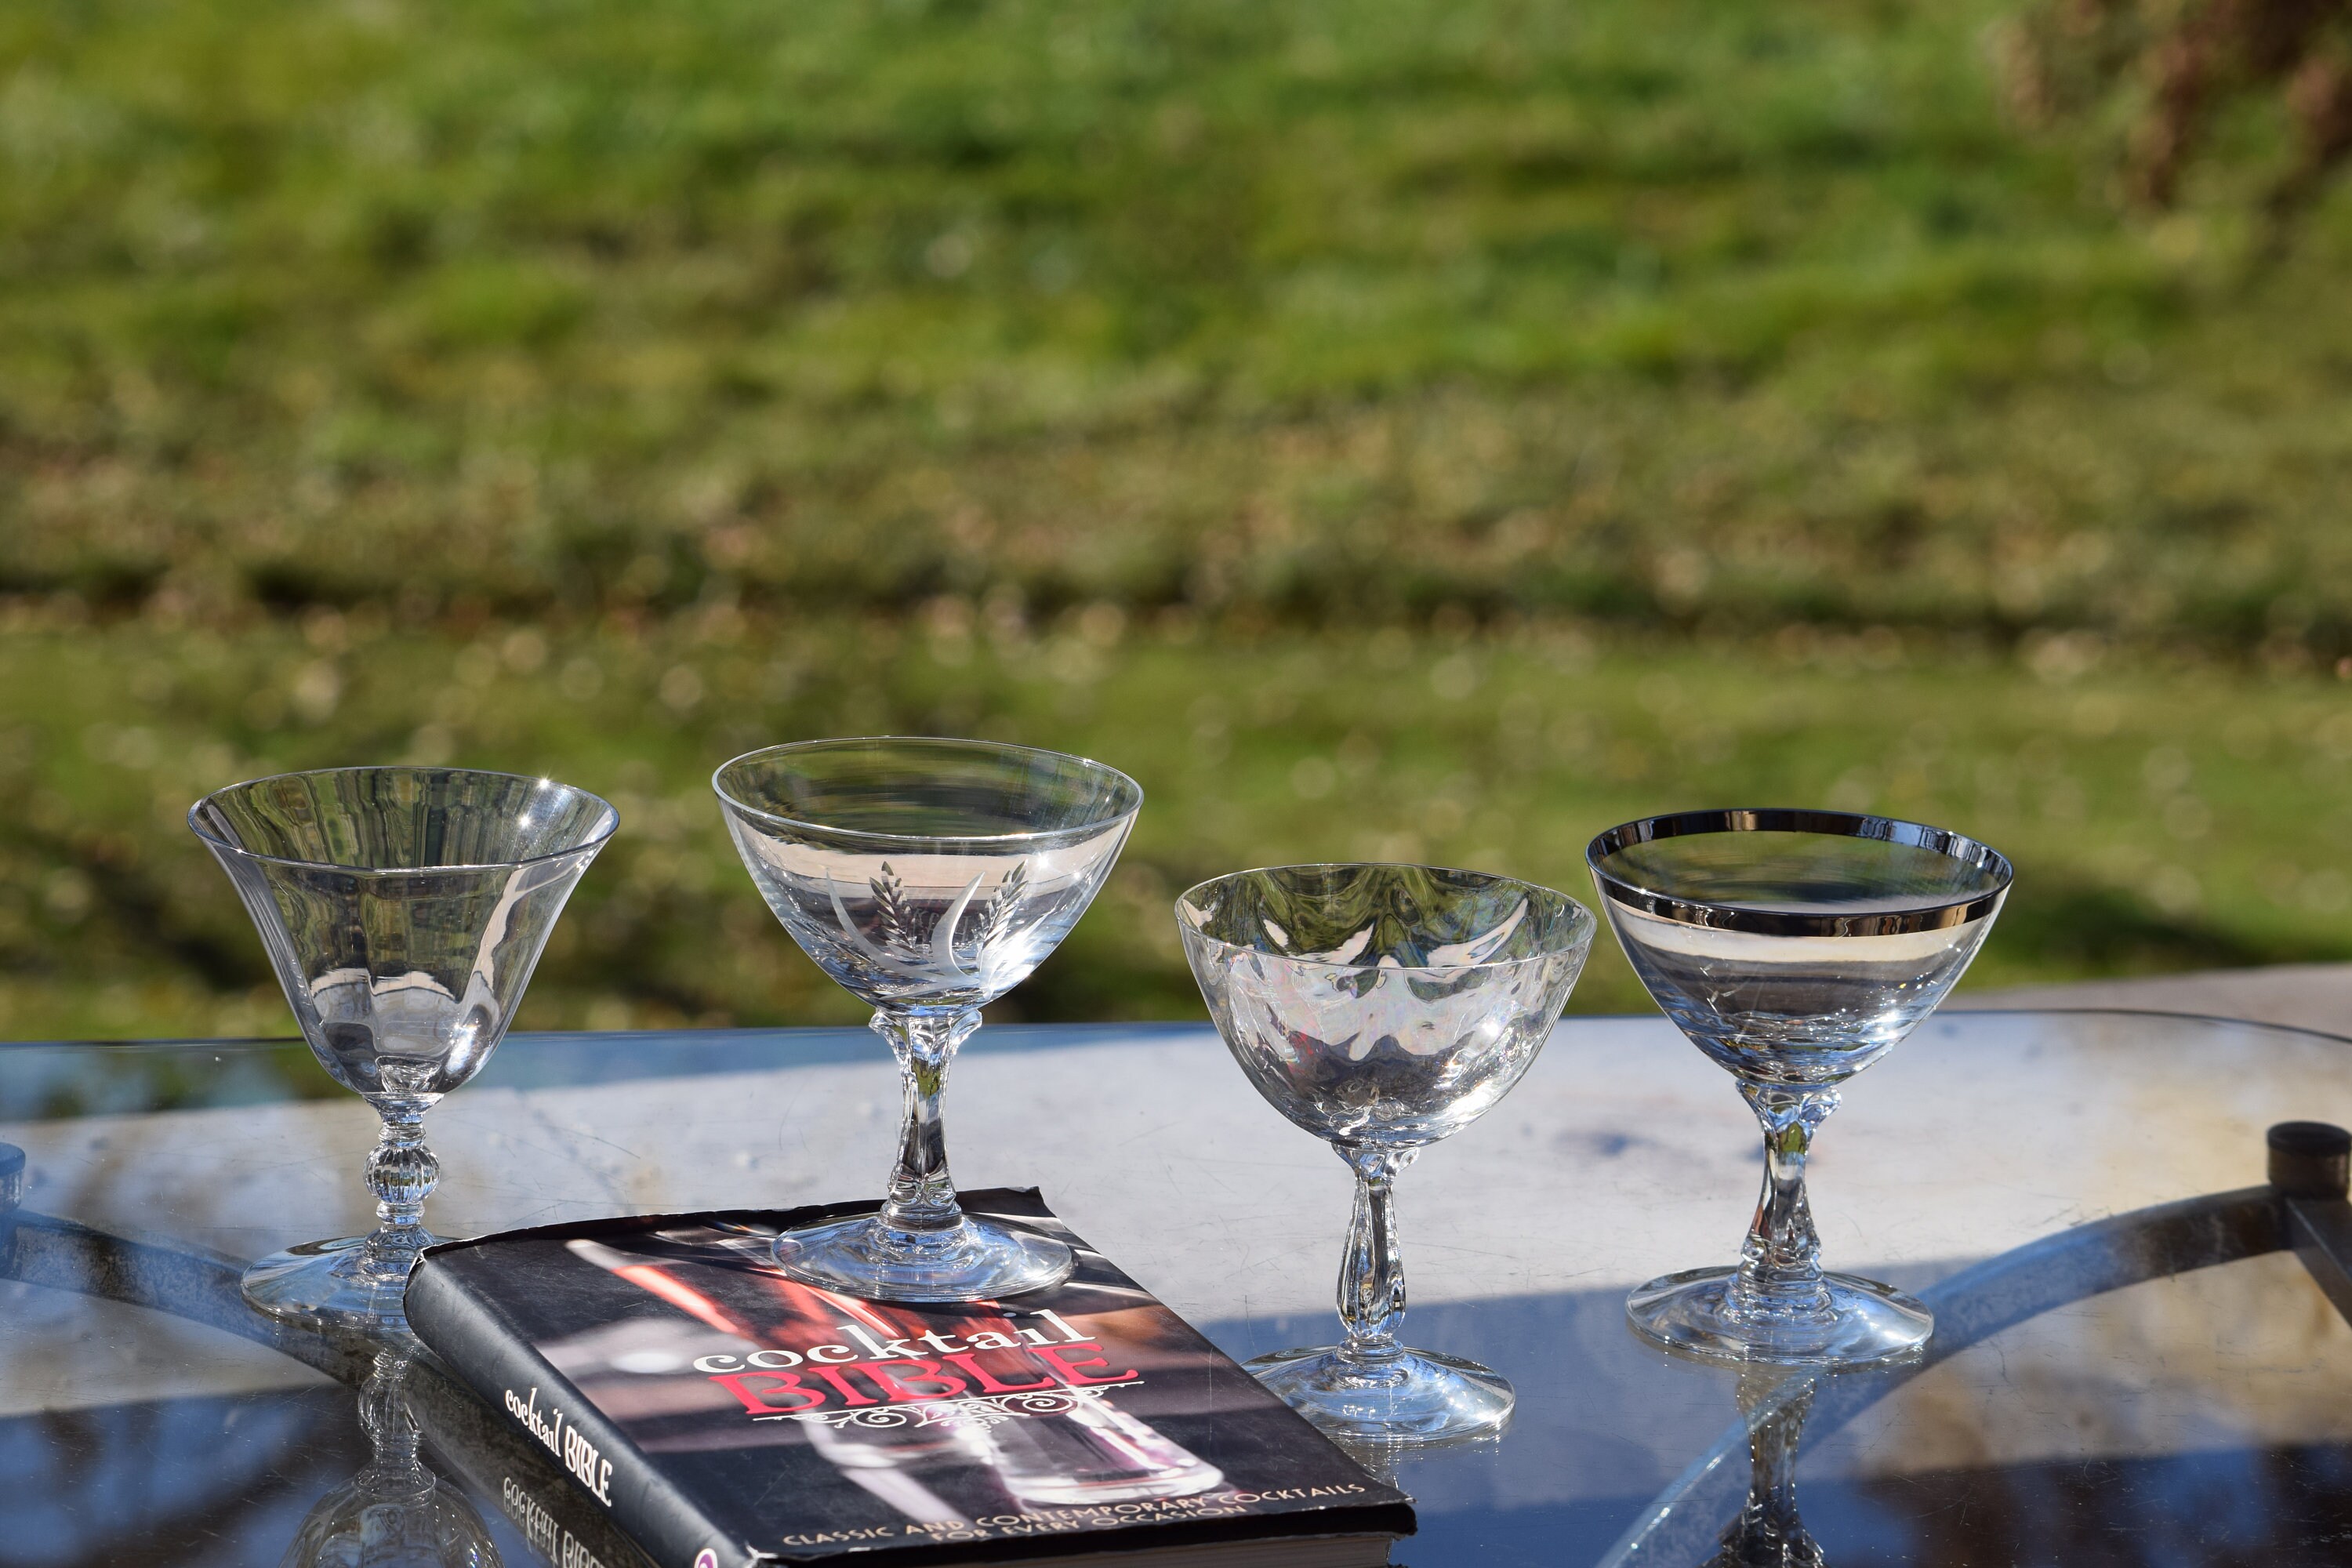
<point x="1794" y="948"/>
<point x="927" y="878"/>
<point x="1382" y="1009"/>
<point x="403" y="910"/>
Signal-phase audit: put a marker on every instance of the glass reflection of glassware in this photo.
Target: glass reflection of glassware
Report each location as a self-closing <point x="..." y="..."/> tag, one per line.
<point x="1794" y="948"/>
<point x="1382" y="1009"/>
<point x="403" y="910"/>
<point x="395" y="1513"/>
<point x="1767" y="1533"/>
<point x="1385" y="1458"/>
<point x="927" y="878"/>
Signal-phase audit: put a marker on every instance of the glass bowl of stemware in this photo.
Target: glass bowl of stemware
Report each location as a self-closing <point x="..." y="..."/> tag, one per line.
<point x="1794" y="948"/>
<point x="927" y="878"/>
<point x="403" y="910"/>
<point x="1382" y="1009"/>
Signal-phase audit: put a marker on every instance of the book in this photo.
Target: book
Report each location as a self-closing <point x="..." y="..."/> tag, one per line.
<point x="723" y="1415"/>
<point x="498" y="1466"/>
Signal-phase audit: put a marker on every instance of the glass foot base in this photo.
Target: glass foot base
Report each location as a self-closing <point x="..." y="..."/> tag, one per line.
<point x="977" y="1261"/>
<point x="326" y="1285"/>
<point x="1420" y="1398"/>
<point x="1868" y="1322"/>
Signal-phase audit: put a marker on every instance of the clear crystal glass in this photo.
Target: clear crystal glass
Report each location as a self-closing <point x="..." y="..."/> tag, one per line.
<point x="1768" y="1532"/>
<point x="1382" y="1009"/>
<point x="927" y="878"/>
<point x="1794" y="948"/>
<point x="403" y="910"/>
<point x="395" y="1513"/>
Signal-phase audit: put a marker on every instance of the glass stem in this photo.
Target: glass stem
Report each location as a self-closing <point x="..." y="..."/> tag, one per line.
<point x="923" y="1201"/>
<point x="1767" y="1533"/>
<point x="402" y="1172"/>
<point x="384" y="1415"/>
<point x="1372" y="1270"/>
<point x="1780" y="1266"/>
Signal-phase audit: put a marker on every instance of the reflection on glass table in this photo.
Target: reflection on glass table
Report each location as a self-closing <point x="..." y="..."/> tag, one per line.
<point x="2108" y="1386"/>
<point x="395" y="1512"/>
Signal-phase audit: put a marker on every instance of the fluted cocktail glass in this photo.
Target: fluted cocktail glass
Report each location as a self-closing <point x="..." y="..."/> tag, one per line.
<point x="403" y="910"/>
<point x="1382" y="1009"/>
<point x="1794" y="948"/>
<point x="927" y="878"/>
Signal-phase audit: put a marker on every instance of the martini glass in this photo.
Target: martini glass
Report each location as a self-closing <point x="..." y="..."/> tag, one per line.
<point x="403" y="910"/>
<point x="927" y="878"/>
<point x="1382" y="1009"/>
<point x="1794" y="948"/>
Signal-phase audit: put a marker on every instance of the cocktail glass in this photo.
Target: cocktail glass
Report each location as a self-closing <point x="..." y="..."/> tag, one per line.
<point x="403" y="910"/>
<point x="1794" y="948"/>
<point x="927" y="878"/>
<point x="1382" y="1009"/>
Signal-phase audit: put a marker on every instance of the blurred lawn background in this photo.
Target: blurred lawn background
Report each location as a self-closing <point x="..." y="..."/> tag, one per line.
<point x="1399" y="429"/>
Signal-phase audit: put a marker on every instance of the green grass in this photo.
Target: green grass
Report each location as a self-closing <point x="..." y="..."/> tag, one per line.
<point x="2161" y="818"/>
<point x="1385" y="428"/>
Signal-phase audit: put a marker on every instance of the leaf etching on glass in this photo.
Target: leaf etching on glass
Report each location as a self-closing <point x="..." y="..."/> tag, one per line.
<point x="894" y="918"/>
<point x="997" y="916"/>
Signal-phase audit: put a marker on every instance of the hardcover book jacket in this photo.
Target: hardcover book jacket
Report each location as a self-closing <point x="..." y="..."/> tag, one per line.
<point x="726" y="1414"/>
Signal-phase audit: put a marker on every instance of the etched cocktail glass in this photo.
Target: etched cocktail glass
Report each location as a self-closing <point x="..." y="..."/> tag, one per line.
<point x="1382" y="1009"/>
<point x="1794" y="948"/>
<point x="403" y="910"/>
<point x="927" y="878"/>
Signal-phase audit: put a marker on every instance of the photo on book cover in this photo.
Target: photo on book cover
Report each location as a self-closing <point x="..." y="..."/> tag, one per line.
<point x="831" y="1423"/>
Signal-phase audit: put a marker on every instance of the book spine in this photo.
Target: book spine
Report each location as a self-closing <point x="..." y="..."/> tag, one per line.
<point x="493" y="1458"/>
<point x="491" y="1356"/>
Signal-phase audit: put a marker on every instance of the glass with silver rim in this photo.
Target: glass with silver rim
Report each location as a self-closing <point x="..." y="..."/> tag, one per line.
<point x="1382" y="1009"/>
<point x="1794" y="948"/>
<point x="403" y="910"/>
<point x="927" y="878"/>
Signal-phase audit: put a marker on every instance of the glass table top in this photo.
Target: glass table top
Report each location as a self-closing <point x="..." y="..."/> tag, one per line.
<point x="2107" y="1385"/>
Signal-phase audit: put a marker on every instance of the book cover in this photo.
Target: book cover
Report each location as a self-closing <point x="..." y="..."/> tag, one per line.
<point x="725" y="1415"/>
